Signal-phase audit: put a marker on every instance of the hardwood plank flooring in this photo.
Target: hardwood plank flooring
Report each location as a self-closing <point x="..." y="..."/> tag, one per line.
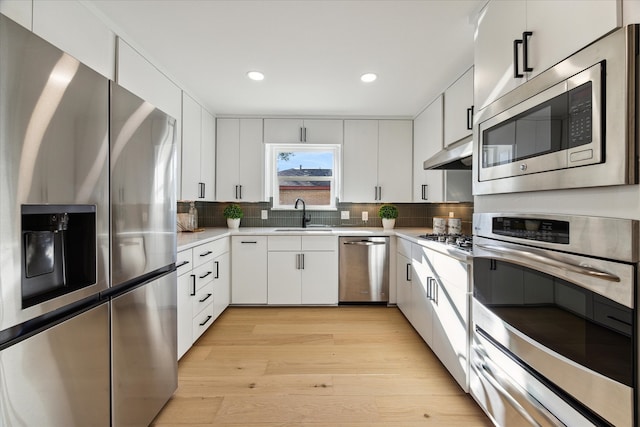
<point x="348" y="366"/>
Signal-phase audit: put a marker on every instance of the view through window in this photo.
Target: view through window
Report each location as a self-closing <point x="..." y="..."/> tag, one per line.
<point x="307" y="173"/>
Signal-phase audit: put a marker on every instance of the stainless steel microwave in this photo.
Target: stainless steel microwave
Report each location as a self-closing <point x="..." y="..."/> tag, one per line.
<point x="572" y="126"/>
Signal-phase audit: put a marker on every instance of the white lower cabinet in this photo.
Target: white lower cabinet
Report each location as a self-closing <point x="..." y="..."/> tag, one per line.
<point x="249" y="270"/>
<point x="433" y="294"/>
<point x="404" y="274"/>
<point x="302" y="270"/>
<point x="203" y="289"/>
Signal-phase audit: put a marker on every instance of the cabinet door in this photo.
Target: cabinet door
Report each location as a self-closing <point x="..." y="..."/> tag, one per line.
<point x="221" y="284"/>
<point x="20" y="11"/>
<point x="360" y="169"/>
<point x="458" y="109"/>
<point x="451" y="330"/>
<point x="321" y="131"/>
<point x="421" y="293"/>
<point x="499" y="24"/>
<point x="555" y="37"/>
<point x="186" y="287"/>
<point x="395" y="144"/>
<point x="141" y="77"/>
<point x="320" y="277"/>
<point x="282" y="131"/>
<point x="403" y="285"/>
<point x="251" y="161"/>
<point x="191" y="137"/>
<point x="284" y="278"/>
<point x="249" y="270"/>
<point x="208" y="156"/>
<point x="60" y="23"/>
<point x="427" y="140"/>
<point x="228" y="155"/>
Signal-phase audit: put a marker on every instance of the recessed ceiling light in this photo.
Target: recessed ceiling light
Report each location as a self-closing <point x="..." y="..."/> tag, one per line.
<point x="368" y="77"/>
<point x="255" y="75"/>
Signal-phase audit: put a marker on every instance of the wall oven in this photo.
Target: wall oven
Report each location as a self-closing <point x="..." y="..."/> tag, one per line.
<point x="555" y="320"/>
<point x="571" y="126"/>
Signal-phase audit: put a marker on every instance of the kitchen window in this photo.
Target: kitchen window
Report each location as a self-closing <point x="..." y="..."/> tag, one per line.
<point x="309" y="172"/>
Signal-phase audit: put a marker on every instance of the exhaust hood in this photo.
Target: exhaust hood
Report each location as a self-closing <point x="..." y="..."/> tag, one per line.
<point x="456" y="156"/>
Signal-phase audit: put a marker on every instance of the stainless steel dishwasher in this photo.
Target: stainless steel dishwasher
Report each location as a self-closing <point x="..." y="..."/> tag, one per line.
<point x="364" y="269"/>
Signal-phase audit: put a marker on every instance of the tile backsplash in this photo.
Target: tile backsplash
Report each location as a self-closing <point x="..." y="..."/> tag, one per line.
<point x="410" y="215"/>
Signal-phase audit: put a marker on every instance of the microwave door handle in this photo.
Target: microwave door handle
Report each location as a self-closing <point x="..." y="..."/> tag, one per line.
<point x="584" y="270"/>
<point x="484" y="370"/>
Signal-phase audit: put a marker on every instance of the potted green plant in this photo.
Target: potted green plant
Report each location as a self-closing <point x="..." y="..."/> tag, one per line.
<point x="233" y="213"/>
<point x="388" y="213"/>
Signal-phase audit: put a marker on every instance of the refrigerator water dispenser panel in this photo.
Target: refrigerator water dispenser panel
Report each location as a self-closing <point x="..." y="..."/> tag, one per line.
<point x="58" y="250"/>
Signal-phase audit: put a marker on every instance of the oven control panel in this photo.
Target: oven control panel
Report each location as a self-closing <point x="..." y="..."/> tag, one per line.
<point x="543" y="230"/>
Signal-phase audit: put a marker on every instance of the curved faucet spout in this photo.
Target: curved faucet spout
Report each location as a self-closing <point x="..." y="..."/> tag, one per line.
<point x="305" y="220"/>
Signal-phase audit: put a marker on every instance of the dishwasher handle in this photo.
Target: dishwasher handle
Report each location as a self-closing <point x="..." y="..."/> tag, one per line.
<point x="364" y="243"/>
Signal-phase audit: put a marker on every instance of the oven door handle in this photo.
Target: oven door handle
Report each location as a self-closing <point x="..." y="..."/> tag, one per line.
<point x="580" y="269"/>
<point x="485" y="372"/>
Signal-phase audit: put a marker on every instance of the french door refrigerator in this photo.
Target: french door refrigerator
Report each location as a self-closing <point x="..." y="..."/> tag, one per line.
<point x="143" y="298"/>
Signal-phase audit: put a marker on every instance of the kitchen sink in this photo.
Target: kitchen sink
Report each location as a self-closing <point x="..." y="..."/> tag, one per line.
<point x="304" y="230"/>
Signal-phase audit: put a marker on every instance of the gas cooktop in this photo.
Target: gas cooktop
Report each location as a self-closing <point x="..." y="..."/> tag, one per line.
<point x="459" y="241"/>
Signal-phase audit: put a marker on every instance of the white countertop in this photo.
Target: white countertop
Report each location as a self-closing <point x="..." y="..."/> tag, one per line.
<point x="188" y="240"/>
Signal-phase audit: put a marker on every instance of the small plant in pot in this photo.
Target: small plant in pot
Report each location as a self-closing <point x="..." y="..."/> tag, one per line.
<point x="388" y="213"/>
<point x="233" y="213"/>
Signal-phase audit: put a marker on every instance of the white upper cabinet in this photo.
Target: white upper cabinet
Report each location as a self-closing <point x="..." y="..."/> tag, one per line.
<point x="240" y="154"/>
<point x="73" y="28"/>
<point x="526" y="37"/>
<point x="427" y="140"/>
<point x="458" y="109"/>
<point x="395" y="142"/>
<point x="198" y="151"/>
<point x="141" y="77"/>
<point x="20" y="11"/>
<point x="372" y="151"/>
<point x="312" y="131"/>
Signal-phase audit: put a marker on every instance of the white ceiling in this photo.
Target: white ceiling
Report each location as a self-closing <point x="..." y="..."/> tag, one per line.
<point x="312" y="52"/>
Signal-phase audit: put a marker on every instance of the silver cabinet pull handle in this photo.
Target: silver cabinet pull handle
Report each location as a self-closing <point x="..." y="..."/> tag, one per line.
<point x="364" y="243"/>
<point x="580" y="269"/>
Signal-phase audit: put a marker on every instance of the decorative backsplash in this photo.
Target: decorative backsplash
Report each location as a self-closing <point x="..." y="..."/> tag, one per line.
<point x="410" y="215"/>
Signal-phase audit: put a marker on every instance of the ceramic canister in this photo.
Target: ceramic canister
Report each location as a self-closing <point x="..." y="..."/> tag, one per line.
<point x="439" y="225"/>
<point x="455" y="225"/>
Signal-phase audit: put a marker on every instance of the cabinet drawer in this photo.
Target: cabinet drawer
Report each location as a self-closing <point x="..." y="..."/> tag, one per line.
<point x="451" y="270"/>
<point x="319" y="243"/>
<point x="204" y="274"/>
<point x="182" y="258"/>
<point x="203" y="297"/>
<point x="202" y="321"/>
<point x="284" y="243"/>
<point x="403" y="247"/>
<point x="208" y="251"/>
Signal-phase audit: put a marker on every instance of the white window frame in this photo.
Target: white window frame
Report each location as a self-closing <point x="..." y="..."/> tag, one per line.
<point x="272" y="181"/>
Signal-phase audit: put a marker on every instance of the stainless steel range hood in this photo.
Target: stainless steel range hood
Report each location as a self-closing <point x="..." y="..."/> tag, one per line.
<point x="456" y="156"/>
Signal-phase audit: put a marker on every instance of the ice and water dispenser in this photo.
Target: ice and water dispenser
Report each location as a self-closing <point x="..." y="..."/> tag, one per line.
<point x="58" y="250"/>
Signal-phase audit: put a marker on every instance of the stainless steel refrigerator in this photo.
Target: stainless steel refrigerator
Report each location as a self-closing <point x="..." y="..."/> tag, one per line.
<point x="54" y="225"/>
<point x="143" y="255"/>
<point x="87" y="243"/>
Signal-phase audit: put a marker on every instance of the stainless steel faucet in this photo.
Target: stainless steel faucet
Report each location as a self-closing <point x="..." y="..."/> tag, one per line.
<point x="305" y="220"/>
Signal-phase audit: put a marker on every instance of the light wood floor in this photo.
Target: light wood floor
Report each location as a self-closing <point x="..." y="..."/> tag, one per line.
<point x="336" y="366"/>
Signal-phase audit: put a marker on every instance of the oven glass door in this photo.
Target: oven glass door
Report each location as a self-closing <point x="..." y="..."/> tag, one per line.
<point x="555" y="129"/>
<point x="573" y="321"/>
